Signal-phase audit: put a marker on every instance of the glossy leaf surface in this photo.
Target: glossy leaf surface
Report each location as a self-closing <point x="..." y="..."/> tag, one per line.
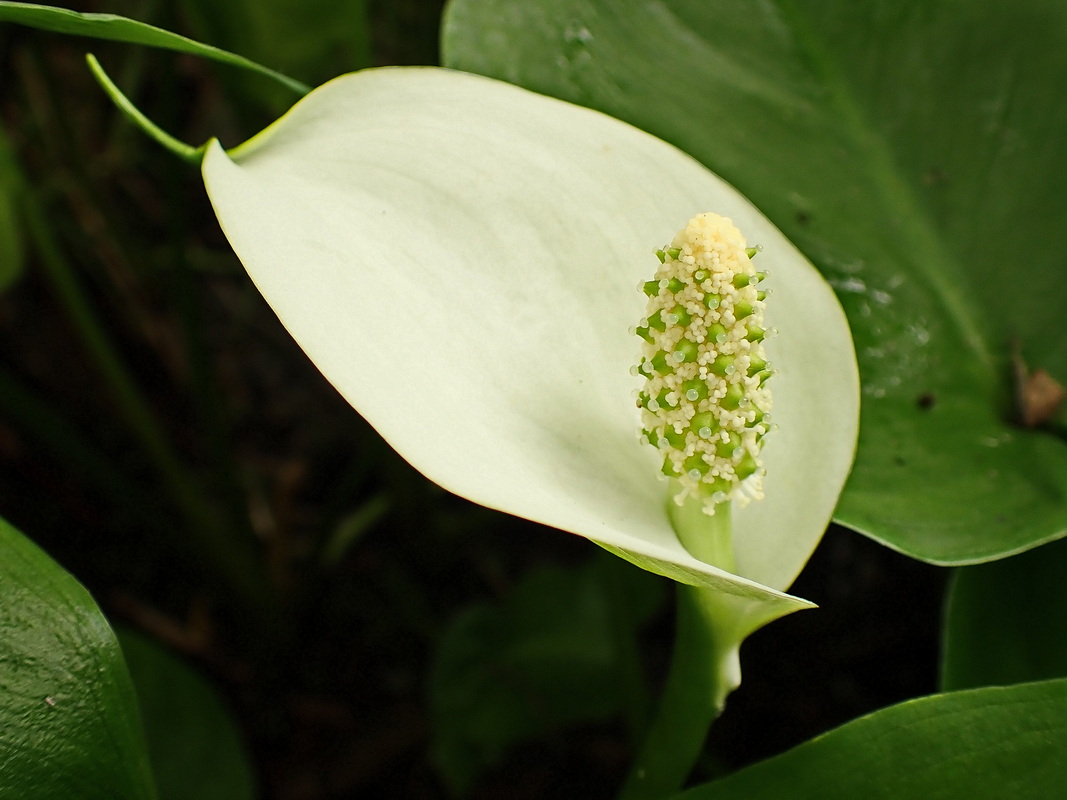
<point x="70" y="723"/>
<point x="913" y="153"/>
<point x="984" y="744"/>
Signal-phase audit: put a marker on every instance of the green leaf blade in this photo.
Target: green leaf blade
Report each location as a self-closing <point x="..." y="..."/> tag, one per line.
<point x="195" y="748"/>
<point x="71" y="727"/>
<point x="983" y="744"/>
<point x="114" y="28"/>
<point x="1004" y="621"/>
<point x="908" y="152"/>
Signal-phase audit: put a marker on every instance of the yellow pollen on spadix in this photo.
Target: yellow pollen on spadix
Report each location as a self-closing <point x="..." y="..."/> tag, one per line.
<point x="705" y="404"/>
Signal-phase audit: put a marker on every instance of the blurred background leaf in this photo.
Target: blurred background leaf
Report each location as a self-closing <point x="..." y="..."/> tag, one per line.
<point x="312" y="40"/>
<point x="194" y="747"/>
<point x="69" y="717"/>
<point x="559" y="650"/>
<point x="1004" y="621"/>
<point x="347" y="533"/>
<point x="913" y="153"/>
<point x="12" y="250"/>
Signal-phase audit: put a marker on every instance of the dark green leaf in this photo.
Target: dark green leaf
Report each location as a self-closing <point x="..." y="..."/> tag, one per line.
<point x="983" y="744"/>
<point x="120" y="29"/>
<point x="195" y="749"/>
<point x="544" y="658"/>
<point x="1006" y="622"/>
<point x="913" y="152"/>
<point x="68" y="717"/>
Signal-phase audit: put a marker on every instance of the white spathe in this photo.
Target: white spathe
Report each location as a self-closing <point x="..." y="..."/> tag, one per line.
<point x="461" y="257"/>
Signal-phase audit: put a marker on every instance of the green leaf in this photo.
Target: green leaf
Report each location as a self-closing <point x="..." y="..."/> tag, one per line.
<point x="543" y="658"/>
<point x="315" y="39"/>
<point x="984" y="744"/>
<point x="1005" y="622"/>
<point x="69" y="717"/>
<point x="912" y="152"/>
<point x="195" y="749"/>
<point x="12" y="249"/>
<point x="426" y="234"/>
<point x="120" y="29"/>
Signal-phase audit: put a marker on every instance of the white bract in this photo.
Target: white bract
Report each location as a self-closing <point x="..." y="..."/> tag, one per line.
<point x="460" y="258"/>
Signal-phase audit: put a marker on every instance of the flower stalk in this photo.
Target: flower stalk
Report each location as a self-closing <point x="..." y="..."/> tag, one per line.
<point x="704" y="670"/>
<point x="706" y="407"/>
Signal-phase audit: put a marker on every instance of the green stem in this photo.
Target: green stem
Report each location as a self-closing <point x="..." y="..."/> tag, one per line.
<point x="704" y="670"/>
<point x="704" y="665"/>
<point x="186" y="152"/>
<point x="709" y="538"/>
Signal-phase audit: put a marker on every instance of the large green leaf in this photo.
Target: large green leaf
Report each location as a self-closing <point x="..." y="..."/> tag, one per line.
<point x="120" y="29"/>
<point x="1006" y="622"/>
<point x="195" y="748"/>
<point x="913" y="152"/>
<point x="984" y="744"/>
<point x="68" y="717"/>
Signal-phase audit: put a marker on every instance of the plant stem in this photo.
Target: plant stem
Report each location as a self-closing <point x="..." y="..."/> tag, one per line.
<point x="704" y="670"/>
<point x="709" y="538"/>
<point x="184" y="151"/>
<point x="704" y="665"/>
